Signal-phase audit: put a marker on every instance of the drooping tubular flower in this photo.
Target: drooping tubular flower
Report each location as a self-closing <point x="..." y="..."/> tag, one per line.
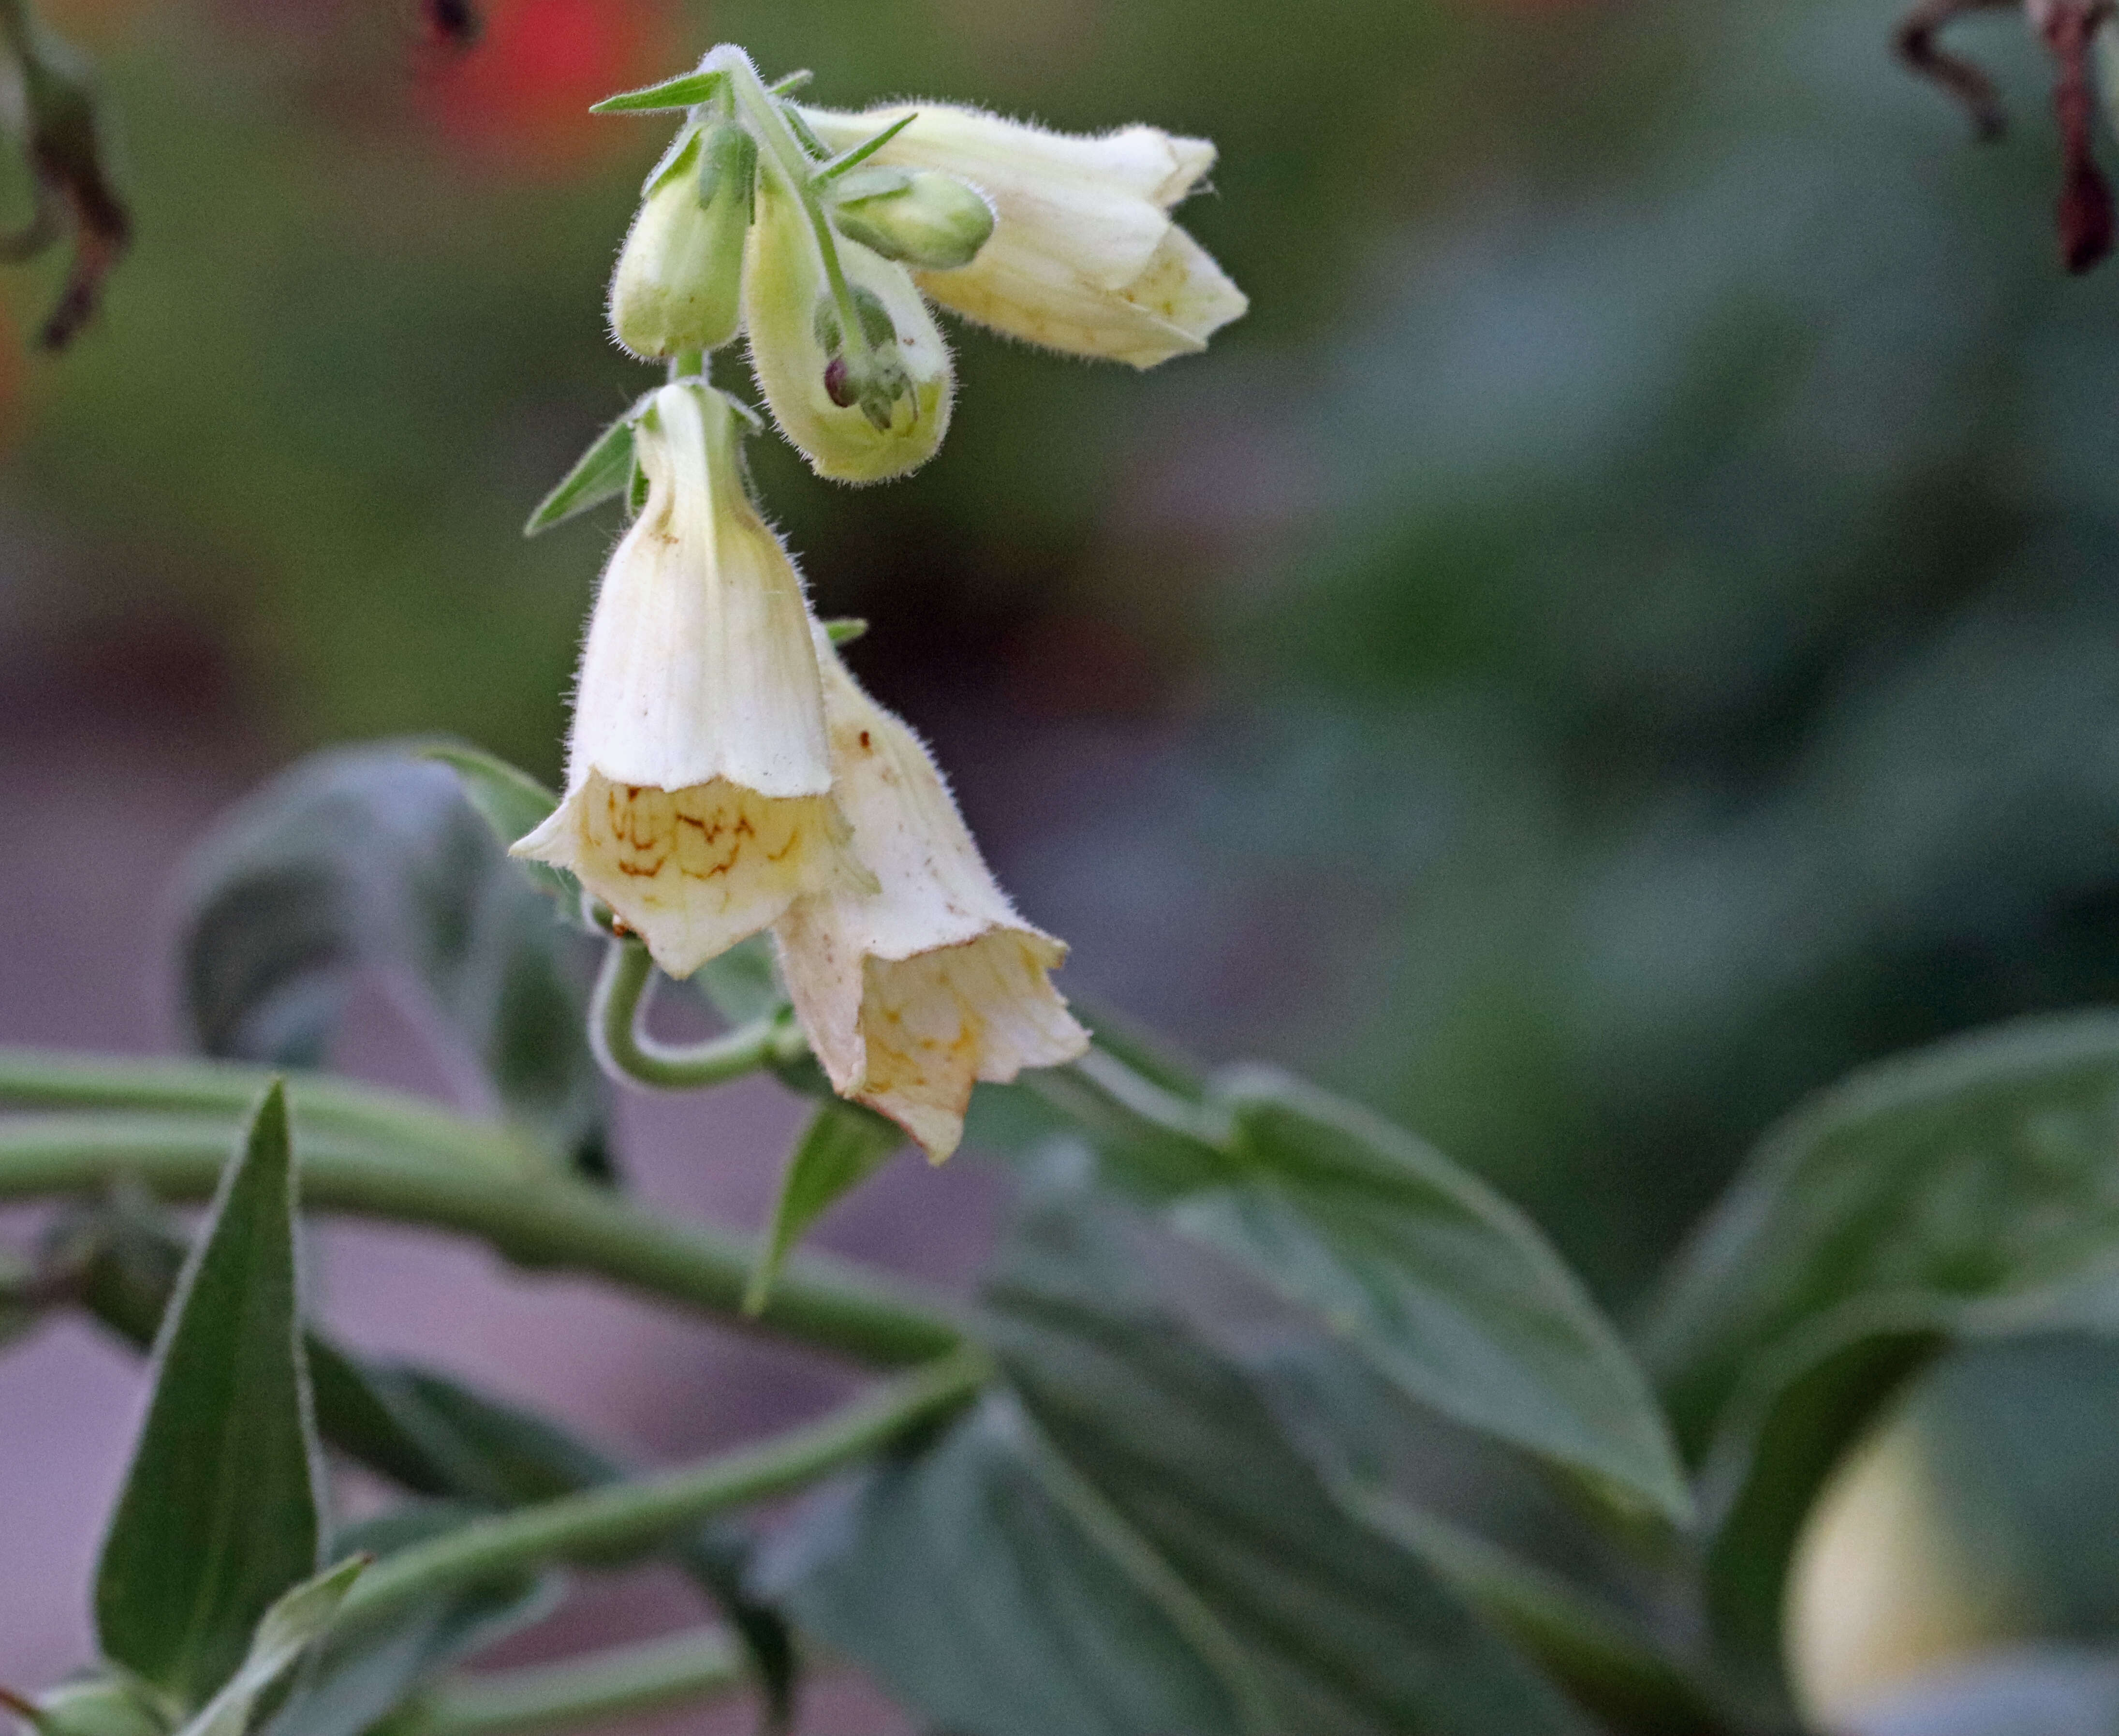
<point x="1084" y="256"/>
<point x="698" y="780"/>
<point x="913" y="991"/>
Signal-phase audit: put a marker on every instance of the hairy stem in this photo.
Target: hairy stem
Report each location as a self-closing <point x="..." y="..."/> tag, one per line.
<point x="616" y="1025"/>
<point x="627" y="1518"/>
<point x="538" y="1221"/>
<point x="605" y="1686"/>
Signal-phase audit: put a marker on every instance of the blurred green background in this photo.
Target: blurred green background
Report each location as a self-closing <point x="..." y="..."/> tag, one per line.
<point x="1622" y="631"/>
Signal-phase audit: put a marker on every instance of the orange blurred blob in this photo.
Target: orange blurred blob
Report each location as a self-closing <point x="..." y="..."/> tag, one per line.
<point x="517" y="96"/>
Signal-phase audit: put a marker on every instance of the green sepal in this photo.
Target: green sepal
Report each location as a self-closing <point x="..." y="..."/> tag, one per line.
<point x="854" y="156"/>
<point x="843" y="1146"/>
<point x="845" y="629"/>
<point x="728" y="152"/>
<point x="599" y="474"/>
<point x="788" y="85"/>
<point x="687" y="90"/>
<point x="218" y="1518"/>
<point x="295" y="1622"/>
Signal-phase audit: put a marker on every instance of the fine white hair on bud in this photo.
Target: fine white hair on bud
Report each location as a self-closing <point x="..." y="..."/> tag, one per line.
<point x="863" y="398"/>
<point x="914" y="989"/>
<point x="1084" y="257"/>
<point x="679" y="284"/>
<point x="698" y="799"/>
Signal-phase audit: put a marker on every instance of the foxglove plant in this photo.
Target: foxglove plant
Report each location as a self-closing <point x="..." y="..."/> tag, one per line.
<point x="1069" y="1508"/>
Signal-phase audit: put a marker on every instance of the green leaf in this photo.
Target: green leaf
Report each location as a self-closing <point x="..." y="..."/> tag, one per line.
<point x="217" y="1518"/>
<point x="1444" y="1288"/>
<point x="687" y="90"/>
<point x="599" y="474"/>
<point x="1123" y="1545"/>
<point x="514" y="805"/>
<point x="1968" y="1190"/>
<point x="841" y="1148"/>
<point x="288" y="1630"/>
<point x="372" y="861"/>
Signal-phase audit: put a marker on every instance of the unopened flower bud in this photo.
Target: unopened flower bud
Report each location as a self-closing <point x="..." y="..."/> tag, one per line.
<point x="931" y="221"/>
<point x="679" y="284"/>
<point x="1083" y="256"/>
<point x="915" y="987"/>
<point x="860" y="404"/>
<point x="95" y="1707"/>
<point x="699" y="782"/>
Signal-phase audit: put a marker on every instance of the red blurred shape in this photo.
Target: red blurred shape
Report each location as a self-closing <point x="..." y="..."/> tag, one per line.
<point x="518" y="95"/>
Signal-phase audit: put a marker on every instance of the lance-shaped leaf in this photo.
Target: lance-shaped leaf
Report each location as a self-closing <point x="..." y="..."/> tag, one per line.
<point x="1440" y="1284"/>
<point x="1971" y="1189"/>
<point x="217" y="1518"/>
<point x="1123" y="1543"/>
<point x="841" y="1148"/>
<point x="372" y="861"/>
<point x="288" y="1630"/>
<point x="604" y="472"/>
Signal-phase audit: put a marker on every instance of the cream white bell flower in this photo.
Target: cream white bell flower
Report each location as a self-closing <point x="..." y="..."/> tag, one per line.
<point x="861" y="405"/>
<point x="911" y="991"/>
<point x="699" y="800"/>
<point x="1084" y="257"/>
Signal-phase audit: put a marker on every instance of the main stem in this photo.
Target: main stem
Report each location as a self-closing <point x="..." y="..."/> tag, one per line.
<point x="543" y="1221"/>
<point x="619" y="1684"/>
<point x="625" y="1518"/>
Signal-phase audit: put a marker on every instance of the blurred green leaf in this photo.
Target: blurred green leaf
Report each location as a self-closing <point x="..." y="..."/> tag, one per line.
<point x="601" y="473"/>
<point x="371" y="860"/>
<point x="514" y="805"/>
<point x="1970" y="1189"/>
<point x="841" y="1148"/>
<point x="743" y="984"/>
<point x="289" y="1628"/>
<point x="218" y="1518"/>
<point x="1123" y="1545"/>
<point x="1443" y="1286"/>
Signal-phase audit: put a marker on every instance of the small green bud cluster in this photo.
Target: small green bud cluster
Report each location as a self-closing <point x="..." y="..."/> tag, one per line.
<point x="749" y="219"/>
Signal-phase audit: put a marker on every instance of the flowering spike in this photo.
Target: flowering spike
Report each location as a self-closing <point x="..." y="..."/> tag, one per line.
<point x="1083" y="256"/>
<point x="697" y="803"/>
<point x="915" y="988"/>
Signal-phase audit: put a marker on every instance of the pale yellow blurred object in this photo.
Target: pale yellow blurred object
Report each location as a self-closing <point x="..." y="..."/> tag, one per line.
<point x="1882" y="1591"/>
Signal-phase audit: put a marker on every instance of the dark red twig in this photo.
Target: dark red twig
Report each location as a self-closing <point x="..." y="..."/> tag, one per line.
<point x="1915" y="42"/>
<point x="2085" y="213"/>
